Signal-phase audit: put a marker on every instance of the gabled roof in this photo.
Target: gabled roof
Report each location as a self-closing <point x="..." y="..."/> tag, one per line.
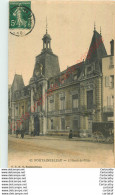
<point x="18" y="83"/>
<point x="97" y="49"/>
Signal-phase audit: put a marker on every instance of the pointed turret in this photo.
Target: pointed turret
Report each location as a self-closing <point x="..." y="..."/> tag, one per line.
<point x="97" y="49"/>
<point x="18" y="83"/>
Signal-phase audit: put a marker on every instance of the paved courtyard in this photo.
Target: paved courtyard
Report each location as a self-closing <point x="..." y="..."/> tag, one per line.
<point x="49" y="151"/>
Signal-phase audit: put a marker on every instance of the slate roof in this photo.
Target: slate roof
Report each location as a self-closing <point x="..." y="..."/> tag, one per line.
<point x="46" y="36"/>
<point x="97" y="49"/>
<point x="18" y="83"/>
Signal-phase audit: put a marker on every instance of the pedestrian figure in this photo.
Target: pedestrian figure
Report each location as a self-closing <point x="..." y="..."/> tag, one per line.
<point x="22" y="134"/>
<point x="17" y="131"/>
<point x="32" y="133"/>
<point x="70" y="134"/>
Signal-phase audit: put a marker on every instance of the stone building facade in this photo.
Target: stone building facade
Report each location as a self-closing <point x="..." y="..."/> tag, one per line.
<point x="54" y="102"/>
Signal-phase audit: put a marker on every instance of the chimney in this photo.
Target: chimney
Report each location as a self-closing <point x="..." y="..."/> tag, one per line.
<point x="112" y="47"/>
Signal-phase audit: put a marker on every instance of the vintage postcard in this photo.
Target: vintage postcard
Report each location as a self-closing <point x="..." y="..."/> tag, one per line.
<point x="61" y="84"/>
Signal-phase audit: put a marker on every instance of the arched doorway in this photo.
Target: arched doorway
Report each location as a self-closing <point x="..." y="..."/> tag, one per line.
<point x="36" y="126"/>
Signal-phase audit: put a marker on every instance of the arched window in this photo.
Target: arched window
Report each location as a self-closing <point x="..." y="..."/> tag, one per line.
<point x="48" y="45"/>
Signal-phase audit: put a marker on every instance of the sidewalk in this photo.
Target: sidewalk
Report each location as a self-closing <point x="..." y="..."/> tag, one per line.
<point x="49" y="147"/>
<point x="46" y="137"/>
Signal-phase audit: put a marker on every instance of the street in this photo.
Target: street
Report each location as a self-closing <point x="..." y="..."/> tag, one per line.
<point x="49" y="151"/>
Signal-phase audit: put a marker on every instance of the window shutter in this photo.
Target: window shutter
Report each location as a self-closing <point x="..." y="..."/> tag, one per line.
<point x="111" y="61"/>
<point x="75" y="101"/>
<point x="107" y="81"/>
<point x="108" y="101"/>
<point x="112" y="100"/>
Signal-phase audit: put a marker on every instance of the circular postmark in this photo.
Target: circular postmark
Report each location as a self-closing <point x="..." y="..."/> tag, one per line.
<point x="21" y="20"/>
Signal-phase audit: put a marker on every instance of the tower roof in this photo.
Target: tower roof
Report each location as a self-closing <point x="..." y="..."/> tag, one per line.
<point x="46" y="36"/>
<point x="97" y="49"/>
<point x="46" y="42"/>
<point x="18" y="83"/>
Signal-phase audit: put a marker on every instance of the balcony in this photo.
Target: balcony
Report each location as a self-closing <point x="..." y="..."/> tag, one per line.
<point x="88" y="111"/>
<point x="108" y="109"/>
<point x="61" y="111"/>
<point x="65" y="111"/>
<point x="52" y="113"/>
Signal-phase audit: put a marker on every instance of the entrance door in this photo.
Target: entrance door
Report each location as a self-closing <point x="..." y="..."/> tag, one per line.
<point x="75" y="128"/>
<point x="90" y="125"/>
<point x="36" y="126"/>
<point x="62" y="123"/>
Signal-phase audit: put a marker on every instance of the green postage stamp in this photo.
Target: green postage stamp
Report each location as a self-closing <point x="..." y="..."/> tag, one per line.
<point x="21" y="18"/>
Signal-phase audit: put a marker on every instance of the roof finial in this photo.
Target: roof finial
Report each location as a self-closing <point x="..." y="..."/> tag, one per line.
<point x="100" y="30"/>
<point x="94" y="26"/>
<point x="46" y="25"/>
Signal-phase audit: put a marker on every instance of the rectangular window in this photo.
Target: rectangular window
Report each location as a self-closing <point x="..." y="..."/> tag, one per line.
<point x="62" y="123"/>
<point x="38" y="106"/>
<point x="89" y="69"/>
<point x="22" y="109"/>
<point x="90" y="99"/>
<point x="112" y="81"/>
<point x="107" y="81"/>
<point x="51" y="103"/>
<point x="51" y="123"/>
<point x="75" y="77"/>
<point x="110" y="101"/>
<point x="62" y="101"/>
<point x="16" y="111"/>
<point x="62" y="82"/>
<point x="51" y="85"/>
<point x="28" y="106"/>
<point x="75" y="100"/>
<point x="111" y="61"/>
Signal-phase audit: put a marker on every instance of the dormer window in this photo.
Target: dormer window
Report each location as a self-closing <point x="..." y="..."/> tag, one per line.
<point x="89" y="69"/>
<point x="62" y="81"/>
<point x="75" y="77"/>
<point x="51" y="84"/>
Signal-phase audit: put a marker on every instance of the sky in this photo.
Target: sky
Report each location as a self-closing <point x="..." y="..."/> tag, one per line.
<point x="70" y="25"/>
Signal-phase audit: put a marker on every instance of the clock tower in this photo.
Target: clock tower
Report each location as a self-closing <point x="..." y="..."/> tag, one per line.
<point x="47" y="60"/>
